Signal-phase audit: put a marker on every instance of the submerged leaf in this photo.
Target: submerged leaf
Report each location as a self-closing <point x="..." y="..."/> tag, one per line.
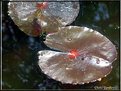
<point x="92" y="55"/>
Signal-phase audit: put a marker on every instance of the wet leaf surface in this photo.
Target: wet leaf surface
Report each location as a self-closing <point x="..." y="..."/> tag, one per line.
<point x="91" y="57"/>
<point x="33" y="19"/>
<point x="65" y="12"/>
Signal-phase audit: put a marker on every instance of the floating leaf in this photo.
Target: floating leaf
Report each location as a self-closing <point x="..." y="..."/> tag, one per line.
<point x="33" y="18"/>
<point x="84" y="55"/>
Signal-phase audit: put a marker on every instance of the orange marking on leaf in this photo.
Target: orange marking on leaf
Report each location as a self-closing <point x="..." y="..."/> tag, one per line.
<point x="42" y="5"/>
<point x="73" y="54"/>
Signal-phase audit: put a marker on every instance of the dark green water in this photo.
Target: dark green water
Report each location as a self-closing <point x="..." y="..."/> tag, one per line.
<point x="19" y="51"/>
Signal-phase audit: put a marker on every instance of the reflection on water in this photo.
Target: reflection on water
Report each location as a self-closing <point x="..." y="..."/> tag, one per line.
<point x="20" y="68"/>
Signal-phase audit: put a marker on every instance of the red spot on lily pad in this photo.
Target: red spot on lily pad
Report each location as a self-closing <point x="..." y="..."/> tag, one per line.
<point x="73" y="54"/>
<point x="42" y="5"/>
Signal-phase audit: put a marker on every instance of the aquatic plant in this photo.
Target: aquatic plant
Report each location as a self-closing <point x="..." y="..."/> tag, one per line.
<point x="81" y="54"/>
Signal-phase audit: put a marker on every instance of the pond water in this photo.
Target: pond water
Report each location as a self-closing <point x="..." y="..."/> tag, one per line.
<point x="20" y="68"/>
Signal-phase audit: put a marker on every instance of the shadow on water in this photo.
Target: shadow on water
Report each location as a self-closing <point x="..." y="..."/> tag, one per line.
<point x="20" y="69"/>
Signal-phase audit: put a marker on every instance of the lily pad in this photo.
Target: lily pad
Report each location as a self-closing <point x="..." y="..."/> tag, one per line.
<point x="84" y="55"/>
<point x="33" y="18"/>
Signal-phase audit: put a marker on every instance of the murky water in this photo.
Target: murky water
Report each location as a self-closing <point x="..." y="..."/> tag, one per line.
<point x="20" y="60"/>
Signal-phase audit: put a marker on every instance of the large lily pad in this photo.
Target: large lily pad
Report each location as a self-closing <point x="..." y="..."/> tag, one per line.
<point x="93" y="55"/>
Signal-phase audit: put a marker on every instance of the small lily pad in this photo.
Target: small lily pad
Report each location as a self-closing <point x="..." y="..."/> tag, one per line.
<point x="33" y="18"/>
